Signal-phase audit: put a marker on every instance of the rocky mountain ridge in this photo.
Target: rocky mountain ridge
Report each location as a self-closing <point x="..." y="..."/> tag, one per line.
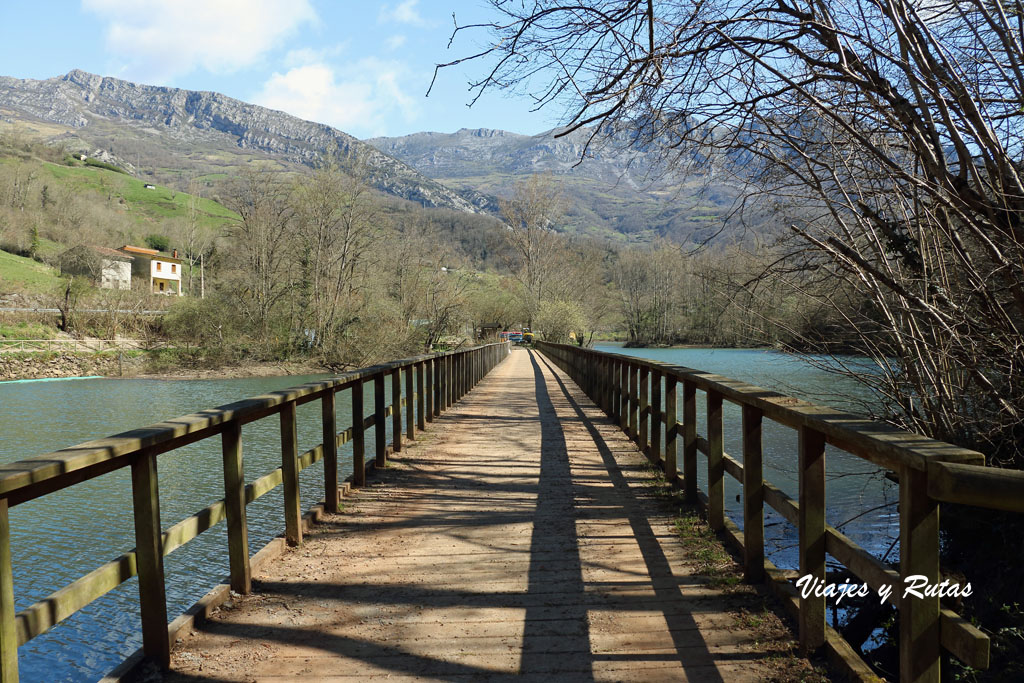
<point x="86" y="102"/>
<point x="613" y="186"/>
<point x="470" y="152"/>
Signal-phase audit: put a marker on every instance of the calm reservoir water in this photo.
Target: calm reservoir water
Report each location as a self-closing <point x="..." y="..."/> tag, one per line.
<point x="63" y="536"/>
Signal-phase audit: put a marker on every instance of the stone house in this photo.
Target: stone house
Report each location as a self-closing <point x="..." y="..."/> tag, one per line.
<point x="112" y="269"/>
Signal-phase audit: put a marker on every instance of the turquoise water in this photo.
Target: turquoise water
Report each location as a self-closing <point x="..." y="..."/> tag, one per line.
<point x="60" y="537"/>
<point x="860" y="501"/>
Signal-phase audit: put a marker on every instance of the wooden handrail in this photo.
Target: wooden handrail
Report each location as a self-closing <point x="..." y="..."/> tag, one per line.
<point x="34" y="477"/>
<point x="929" y="471"/>
<point x="17" y="477"/>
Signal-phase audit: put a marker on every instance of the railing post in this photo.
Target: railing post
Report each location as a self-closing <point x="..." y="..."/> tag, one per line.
<point x="421" y="395"/>
<point x="431" y="388"/>
<point x="438" y="386"/>
<point x="150" y="560"/>
<point x="8" y="632"/>
<point x="380" y="422"/>
<point x="689" y="441"/>
<point x="671" y="418"/>
<point x="644" y="407"/>
<point x="624" y="395"/>
<point x="290" y="475"/>
<point x="456" y="377"/>
<point x="234" y="502"/>
<point x="753" y="496"/>
<point x="919" y="555"/>
<point x="614" y="400"/>
<point x="656" y="420"/>
<point x="358" y="437"/>
<point x="593" y="377"/>
<point x="603" y="386"/>
<point x="441" y="383"/>
<point x="716" y="464"/>
<point x="450" y="379"/>
<point x="464" y="374"/>
<point x="329" y="420"/>
<point x="633" y="402"/>
<point x="396" y="409"/>
<point x="410" y="402"/>
<point x="453" y="380"/>
<point x="812" y="535"/>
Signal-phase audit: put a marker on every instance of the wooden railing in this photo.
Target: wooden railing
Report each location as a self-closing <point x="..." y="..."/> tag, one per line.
<point x="630" y="390"/>
<point x="432" y="382"/>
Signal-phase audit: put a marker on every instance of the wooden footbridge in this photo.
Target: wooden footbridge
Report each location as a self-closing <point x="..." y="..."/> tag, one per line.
<point x="518" y="535"/>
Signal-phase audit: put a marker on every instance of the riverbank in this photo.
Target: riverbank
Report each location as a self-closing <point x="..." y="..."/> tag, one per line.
<point x="21" y="366"/>
<point x="243" y="370"/>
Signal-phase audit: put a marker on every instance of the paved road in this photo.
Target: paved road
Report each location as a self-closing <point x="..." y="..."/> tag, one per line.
<point x="517" y="537"/>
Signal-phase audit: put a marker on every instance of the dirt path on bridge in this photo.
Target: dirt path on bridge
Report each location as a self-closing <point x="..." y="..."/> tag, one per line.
<point x="520" y="536"/>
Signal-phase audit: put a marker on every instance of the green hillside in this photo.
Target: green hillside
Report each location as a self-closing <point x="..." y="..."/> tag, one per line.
<point x="142" y="204"/>
<point x="22" y="274"/>
<point x="47" y="206"/>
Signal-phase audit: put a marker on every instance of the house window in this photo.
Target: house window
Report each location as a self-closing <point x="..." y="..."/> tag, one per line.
<point x="173" y="268"/>
<point x="158" y="265"/>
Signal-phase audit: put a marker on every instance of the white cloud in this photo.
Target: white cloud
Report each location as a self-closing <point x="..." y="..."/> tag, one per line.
<point x="308" y="55"/>
<point x="160" y="40"/>
<point x="402" y="13"/>
<point x="395" y="42"/>
<point x="360" y="100"/>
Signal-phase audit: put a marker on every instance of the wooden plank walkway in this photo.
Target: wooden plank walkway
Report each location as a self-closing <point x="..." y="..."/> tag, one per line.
<point x="519" y="536"/>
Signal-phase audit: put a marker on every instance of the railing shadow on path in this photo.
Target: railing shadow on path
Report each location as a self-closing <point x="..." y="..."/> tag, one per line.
<point x="692" y="650"/>
<point x="554" y="532"/>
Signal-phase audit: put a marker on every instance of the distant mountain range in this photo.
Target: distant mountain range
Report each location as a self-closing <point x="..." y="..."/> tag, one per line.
<point x="614" y="191"/>
<point x="612" y="188"/>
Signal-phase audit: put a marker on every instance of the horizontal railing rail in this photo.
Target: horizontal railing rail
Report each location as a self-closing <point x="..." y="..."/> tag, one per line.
<point x="432" y="384"/>
<point x="630" y="391"/>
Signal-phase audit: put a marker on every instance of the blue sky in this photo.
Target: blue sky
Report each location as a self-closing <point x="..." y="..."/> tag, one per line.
<point x="363" y="67"/>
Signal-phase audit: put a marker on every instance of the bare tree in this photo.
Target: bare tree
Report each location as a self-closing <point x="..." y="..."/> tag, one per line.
<point x="194" y="238"/>
<point x="648" y="282"/>
<point x="896" y="127"/>
<point x="426" y="283"/>
<point x="336" y="221"/>
<point x="260" y="198"/>
<point x="529" y="227"/>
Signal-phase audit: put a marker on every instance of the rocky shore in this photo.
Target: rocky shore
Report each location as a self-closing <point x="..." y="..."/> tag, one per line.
<point x="50" y="365"/>
<point x="47" y="366"/>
